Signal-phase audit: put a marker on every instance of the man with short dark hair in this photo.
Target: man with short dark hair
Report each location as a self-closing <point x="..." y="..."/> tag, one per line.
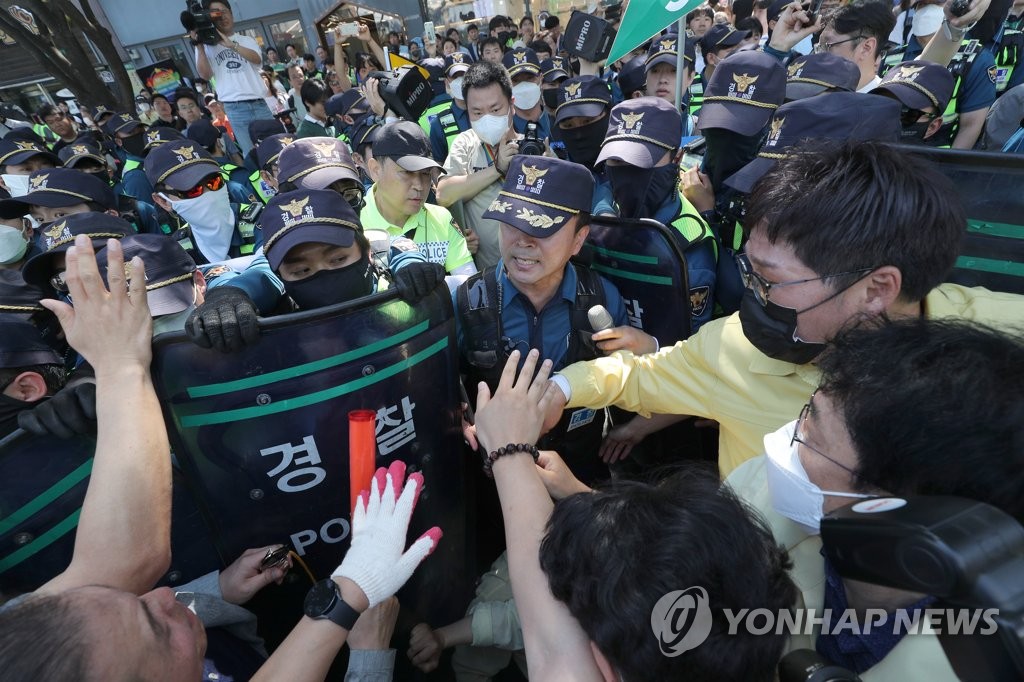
<point x="61" y="124"/>
<point x="491" y="50"/>
<point x="314" y="94"/>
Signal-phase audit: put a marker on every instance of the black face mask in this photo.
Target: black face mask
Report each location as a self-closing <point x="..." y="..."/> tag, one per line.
<point x="328" y="287"/>
<point x="640" y="192"/>
<point x="914" y="132"/>
<point x="550" y="98"/>
<point x="135" y="145"/>
<point x="727" y="152"/>
<point x="771" y="329"/>
<point x="584" y="143"/>
<point x="10" y="408"/>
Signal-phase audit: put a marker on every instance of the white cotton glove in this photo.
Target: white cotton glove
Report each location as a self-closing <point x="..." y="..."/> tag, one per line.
<point x="375" y="560"/>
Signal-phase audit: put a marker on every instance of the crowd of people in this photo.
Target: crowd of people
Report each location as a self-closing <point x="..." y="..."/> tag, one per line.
<point x="829" y="357"/>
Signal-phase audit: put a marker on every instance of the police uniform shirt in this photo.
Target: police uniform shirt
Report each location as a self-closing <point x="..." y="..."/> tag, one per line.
<point x="718" y="374"/>
<point x="438" y="140"/>
<point x="543" y="125"/>
<point x="978" y="90"/>
<point x="432" y="228"/>
<point x="467" y="156"/>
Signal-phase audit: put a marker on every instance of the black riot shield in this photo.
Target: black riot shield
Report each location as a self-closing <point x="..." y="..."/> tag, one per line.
<point x="644" y="262"/>
<point x="989" y="185"/>
<point x="262" y="435"/>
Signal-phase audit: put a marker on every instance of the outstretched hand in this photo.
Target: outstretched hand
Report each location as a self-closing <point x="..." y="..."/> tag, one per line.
<point x="515" y="414"/>
<point x="240" y="581"/>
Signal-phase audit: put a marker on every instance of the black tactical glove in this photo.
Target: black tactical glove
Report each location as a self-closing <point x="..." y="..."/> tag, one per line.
<point x="416" y="280"/>
<point x="71" y="412"/>
<point x="226" y="321"/>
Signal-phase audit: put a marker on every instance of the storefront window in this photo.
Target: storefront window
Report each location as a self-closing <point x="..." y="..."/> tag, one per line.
<point x="288" y="32"/>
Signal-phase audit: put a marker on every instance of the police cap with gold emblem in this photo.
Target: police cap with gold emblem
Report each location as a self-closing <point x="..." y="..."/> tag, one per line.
<point x="121" y="123"/>
<point x="918" y="85"/>
<point x="59" y="236"/>
<point x="521" y="60"/>
<point x="271" y="147"/>
<point x="22" y="344"/>
<point x="57" y="188"/>
<point x="159" y="135"/>
<point x="262" y="128"/>
<point x="304" y="216"/>
<point x="540" y="195"/>
<point x="830" y="116"/>
<point x="14" y="151"/>
<point x="169" y="268"/>
<point x="582" y="96"/>
<point x="80" y="150"/>
<point x="817" y="72"/>
<point x="640" y="131"/>
<point x="18" y="297"/>
<point x="456" y="63"/>
<point x="665" y="50"/>
<point x="181" y="165"/>
<point x="721" y="36"/>
<point x="315" y="163"/>
<point x="554" y="69"/>
<point x="746" y="88"/>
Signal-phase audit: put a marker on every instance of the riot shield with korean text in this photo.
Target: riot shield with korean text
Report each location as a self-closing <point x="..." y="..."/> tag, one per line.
<point x="989" y="185"/>
<point x="262" y="434"/>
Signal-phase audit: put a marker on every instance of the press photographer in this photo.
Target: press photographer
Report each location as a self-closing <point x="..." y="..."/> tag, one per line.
<point x="234" y="62"/>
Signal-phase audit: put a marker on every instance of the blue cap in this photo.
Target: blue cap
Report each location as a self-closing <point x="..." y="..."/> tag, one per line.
<point x="180" y="165"/>
<point x="582" y="96"/>
<point x="169" y="268"/>
<point x="60" y="235"/>
<point x="56" y="188"/>
<point x="271" y="147"/>
<point x="99" y="112"/>
<point x="817" y="72"/>
<point x="159" y="135"/>
<point x="640" y="131"/>
<point x="364" y="132"/>
<point x="721" y="36"/>
<point x="665" y="50"/>
<point x="316" y="162"/>
<point x="121" y="123"/>
<point x="22" y="345"/>
<point x="204" y="132"/>
<point x="456" y="63"/>
<point x="342" y="103"/>
<point x="632" y="76"/>
<point x="262" y="128"/>
<point x="554" y="69"/>
<point x="743" y="92"/>
<point x="541" y="194"/>
<point x="304" y="216"/>
<point x="18" y="297"/>
<point x="80" y="150"/>
<point x="521" y="60"/>
<point x="15" y="151"/>
<point x="919" y="85"/>
<point x="829" y="116"/>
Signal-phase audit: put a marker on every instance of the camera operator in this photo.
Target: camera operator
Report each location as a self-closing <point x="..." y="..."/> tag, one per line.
<point x="234" y="62"/>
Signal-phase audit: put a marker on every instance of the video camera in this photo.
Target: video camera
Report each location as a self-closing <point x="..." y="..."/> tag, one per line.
<point x="196" y="18"/>
<point x="965" y="553"/>
<point x="405" y="91"/>
<point x="588" y="37"/>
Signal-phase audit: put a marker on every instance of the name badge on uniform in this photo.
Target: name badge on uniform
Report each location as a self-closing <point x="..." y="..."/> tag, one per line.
<point x="581" y="418"/>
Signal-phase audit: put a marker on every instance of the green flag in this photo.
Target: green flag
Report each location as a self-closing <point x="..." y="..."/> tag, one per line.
<point x="646" y="18"/>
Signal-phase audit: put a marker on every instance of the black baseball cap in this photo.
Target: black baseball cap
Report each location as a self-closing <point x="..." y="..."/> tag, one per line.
<point x="456" y="63"/>
<point x="59" y="236"/>
<point x="56" y="188"/>
<point x="316" y="162"/>
<point x="520" y="60"/>
<point x="121" y="123"/>
<point x="633" y="76"/>
<point x="407" y="144"/>
<point x="722" y="35"/>
<point x="746" y="88"/>
<point x="919" y="85"/>
<point x="180" y="165"/>
<point x="640" y="131"/>
<point x="204" y="132"/>
<point x="80" y="150"/>
<point x="829" y="116"/>
<point x="271" y="147"/>
<point x="22" y="345"/>
<point x="817" y="72"/>
<point x="159" y="135"/>
<point x="18" y="297"/>
<point x="262" y="128"/>
<point x="15" y="151"/>
<point x="101" y="113"/>
<point x="303" y="216"/>
<point x="364" y="132"/>
<point x="582" y="96"/>
<point x="169" y="280"/>
<point x="541" y="194"/>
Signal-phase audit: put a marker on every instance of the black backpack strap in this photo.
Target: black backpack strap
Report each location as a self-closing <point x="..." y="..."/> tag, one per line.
<point x="589" y="292"/>
<point x="478" y="307"/>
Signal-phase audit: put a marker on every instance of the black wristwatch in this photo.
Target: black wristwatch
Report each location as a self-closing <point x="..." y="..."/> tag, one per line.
<point x="324" y="601"/>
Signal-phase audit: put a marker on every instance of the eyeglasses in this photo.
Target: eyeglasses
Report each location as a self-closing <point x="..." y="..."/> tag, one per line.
<point x="761" y="286"/>
<point x="212" y="183"/>
<point x="827" y="47"/>
<point x="797" y="438"/>
<point x="909" y="117"/>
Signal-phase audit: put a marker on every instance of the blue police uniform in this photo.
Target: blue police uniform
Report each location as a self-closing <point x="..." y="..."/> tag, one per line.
<point x="701" y="264"/>
<point x="438" y="140"/>
<point x="133" y="180"/>
<point x="543" y="125"/>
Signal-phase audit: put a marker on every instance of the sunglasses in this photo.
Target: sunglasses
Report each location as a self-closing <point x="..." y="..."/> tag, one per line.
<point x="909" y="117"/>
<point x="213" y="183"/>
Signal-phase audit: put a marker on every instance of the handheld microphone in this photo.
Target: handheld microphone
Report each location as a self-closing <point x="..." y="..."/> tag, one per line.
<point x="600" y="318"/>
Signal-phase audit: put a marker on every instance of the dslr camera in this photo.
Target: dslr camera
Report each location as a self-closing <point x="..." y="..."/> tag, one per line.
<point x="196" y="18"/>
<point x="531" y="144"/>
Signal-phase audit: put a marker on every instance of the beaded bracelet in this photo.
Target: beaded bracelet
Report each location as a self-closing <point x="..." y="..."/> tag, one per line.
<point x="510" y="449"/>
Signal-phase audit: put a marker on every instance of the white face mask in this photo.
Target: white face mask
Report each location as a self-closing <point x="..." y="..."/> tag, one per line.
<point x="793" y="494"/>
<point x="12" y="244"/>
<point x="211" y="219"/>
<point x="17" y="185"/>
<point x="455" y="89"/>
<point x="491" y="127"/>
<point x="174" y="322"/>
<point x="526" y="95"/>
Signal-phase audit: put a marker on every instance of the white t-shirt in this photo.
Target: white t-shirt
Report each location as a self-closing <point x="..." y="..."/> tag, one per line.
<point x="237" y="79"/>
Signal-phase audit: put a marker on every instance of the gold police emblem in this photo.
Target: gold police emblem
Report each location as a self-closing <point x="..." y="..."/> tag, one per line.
<point x="776" y="130"/>
<point x="667" y="45"/>
<point x="296" y="207"/>
<point x="285" y="141"/>
<point x="153" y="136"/>
<point x="56" y="230"/>
<point x="533" y="174"/>
<point x="631" y="119"/>
<point x="573" y="89"/>
<point x="38" y="182"/>
<point x="79" y="149"/>
<point x="456" y="57"/>
<point x="126" y="117"/>
<point x="25" y="146"/>
<point x="500" y="206"/>
<point x="186" y="153"/>
<point x="519" y="57"/>
<point x="325" y="148"/>
<point x="743" y="81"/>
<point x="538" y="219"/>
<point x="794" y="68"/>
<point x="908" y="73"/>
